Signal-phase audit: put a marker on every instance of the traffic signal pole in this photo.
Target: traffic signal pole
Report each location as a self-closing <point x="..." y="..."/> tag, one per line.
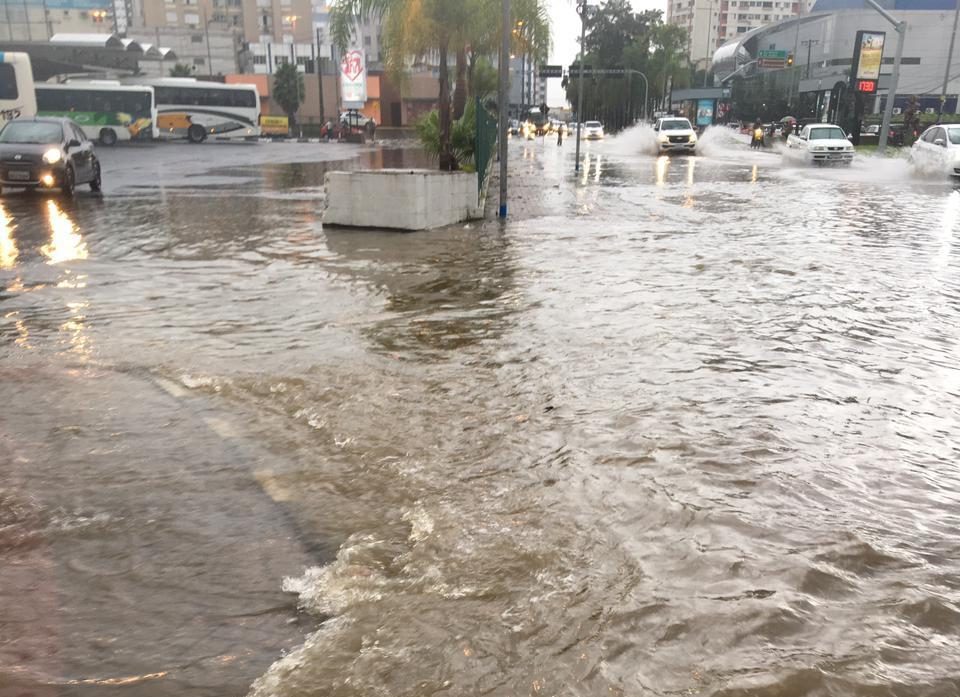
<point x="582" y="10"/>
<point x="503" y="99"/>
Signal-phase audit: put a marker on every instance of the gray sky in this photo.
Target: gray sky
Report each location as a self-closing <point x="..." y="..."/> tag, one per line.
<point x="566" y="32"/>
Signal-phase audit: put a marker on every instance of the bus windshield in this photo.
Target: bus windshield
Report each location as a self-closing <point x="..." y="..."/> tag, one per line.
<point x="31" y="132"/>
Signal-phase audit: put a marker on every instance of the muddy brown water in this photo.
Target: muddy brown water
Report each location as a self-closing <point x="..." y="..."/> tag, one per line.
<point x="679" y="427"/>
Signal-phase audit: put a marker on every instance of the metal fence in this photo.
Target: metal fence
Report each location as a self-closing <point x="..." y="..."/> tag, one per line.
<point x="486" y="144"/>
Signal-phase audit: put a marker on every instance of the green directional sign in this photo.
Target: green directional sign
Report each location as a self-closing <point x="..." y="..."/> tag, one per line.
<point x="772" y="55"/>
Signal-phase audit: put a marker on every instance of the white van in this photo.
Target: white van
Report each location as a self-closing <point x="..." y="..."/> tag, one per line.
<point x="17" y="97"/>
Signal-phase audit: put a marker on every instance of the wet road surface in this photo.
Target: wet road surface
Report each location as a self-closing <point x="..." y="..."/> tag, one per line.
<point x="681" y="426"/>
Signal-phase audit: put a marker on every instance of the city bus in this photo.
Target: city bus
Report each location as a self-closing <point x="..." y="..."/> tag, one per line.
<point x="195" y="110"/>
<point x="106" y="111"/>
<point x="16" y="87"/>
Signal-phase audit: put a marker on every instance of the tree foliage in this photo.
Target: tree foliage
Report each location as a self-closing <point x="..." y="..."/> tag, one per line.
<point x="181" y="70"/>
<point x="619" y="37"/>
<point x="436" y="31"/>
<point x="288" y="89"/>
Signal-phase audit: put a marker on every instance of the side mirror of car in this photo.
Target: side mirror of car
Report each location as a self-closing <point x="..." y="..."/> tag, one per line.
<point x="73" y="143"/>
<point x="941" y="142"/>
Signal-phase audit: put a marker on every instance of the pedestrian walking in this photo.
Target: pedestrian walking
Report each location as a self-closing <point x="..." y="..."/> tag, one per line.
<point x="560" y="135"/>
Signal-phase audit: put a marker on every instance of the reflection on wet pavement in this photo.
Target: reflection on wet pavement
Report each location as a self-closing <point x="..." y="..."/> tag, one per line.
<point x="682" y="425"/>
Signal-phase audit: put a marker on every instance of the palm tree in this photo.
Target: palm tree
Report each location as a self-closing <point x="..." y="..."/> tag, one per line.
<point x="417" y="28"/>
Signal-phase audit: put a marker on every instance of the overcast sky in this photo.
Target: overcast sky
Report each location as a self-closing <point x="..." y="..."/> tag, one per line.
<point x="566" y="32"/>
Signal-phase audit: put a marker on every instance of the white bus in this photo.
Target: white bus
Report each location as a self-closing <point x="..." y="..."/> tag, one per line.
<point x="16" y="87"/>
<point x="106" y="111"/>
<point x="188" y="108"/>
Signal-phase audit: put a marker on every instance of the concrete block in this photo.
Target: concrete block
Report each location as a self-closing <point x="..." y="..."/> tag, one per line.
<point x="399" y="199"/>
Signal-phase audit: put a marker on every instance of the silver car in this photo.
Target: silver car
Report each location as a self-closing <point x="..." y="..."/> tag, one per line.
<point x="938" y="150"/>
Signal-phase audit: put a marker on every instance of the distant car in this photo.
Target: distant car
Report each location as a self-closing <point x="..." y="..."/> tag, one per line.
<point x="47" y="153"/>
<point x="820" y="144"/>
<point x="593" y="130"/>
<point x="938" y="149"/>
<point x="675" y="134"/>
<point x="514" y="127"/>
<point x="358" y="123"/>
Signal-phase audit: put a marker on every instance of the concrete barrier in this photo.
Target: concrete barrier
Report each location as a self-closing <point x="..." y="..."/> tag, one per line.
<point x="400" y="199"/>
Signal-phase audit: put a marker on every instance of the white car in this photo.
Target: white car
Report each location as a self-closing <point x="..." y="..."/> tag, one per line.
<point x="820" y="144"/>
<point x="938" y="149"/>
<point x="593" y="130"/>
<point x="675" y="135"/>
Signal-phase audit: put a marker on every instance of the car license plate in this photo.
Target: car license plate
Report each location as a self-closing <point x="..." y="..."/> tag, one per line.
<point x="18" y="175"/>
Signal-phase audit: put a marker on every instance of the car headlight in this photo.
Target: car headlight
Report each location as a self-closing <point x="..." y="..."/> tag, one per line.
<point x="662" y="138"/>
<point x="52" y="156"/>
<point x="693" y="137"/>
<point x="818" y="148"/>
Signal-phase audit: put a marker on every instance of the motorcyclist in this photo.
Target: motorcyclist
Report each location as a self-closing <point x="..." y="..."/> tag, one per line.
<point x="756" y="138"/>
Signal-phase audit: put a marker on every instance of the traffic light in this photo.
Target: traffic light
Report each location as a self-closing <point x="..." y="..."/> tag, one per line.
<point x="789" y="60"/>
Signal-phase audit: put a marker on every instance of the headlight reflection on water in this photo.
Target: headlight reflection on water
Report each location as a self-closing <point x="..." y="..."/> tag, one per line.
<point x="8" y="245"/>
<point x="65" y="244"/>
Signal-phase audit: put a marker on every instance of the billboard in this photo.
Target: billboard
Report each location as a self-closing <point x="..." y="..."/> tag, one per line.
<point x="705" y="112"/>
<point x="867" y="57"/>
<point x="353" y="80"/>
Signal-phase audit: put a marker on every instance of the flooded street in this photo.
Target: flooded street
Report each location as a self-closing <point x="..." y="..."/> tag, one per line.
<point x="681" y="426"/>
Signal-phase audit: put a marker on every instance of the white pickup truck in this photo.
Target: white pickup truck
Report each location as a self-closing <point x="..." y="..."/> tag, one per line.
<point x="820" y="144"/>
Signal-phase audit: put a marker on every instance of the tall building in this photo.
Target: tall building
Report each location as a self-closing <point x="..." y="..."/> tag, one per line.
<point x="711" y="23"/>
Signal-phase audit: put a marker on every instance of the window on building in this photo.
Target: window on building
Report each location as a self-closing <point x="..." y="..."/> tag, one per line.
<point x="367" y="41"/>
<point x="199" y="61"/>
<point x="259" y="59"/>
<point x="191" y="19"/>
<point x="196" y="38"/>
<point x="264" y="3"/>
<point x="189" y="2"/>
<point x="172" y="18"/>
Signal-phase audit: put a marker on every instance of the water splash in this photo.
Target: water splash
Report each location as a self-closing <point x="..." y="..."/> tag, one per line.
<point x="640" y="139"/>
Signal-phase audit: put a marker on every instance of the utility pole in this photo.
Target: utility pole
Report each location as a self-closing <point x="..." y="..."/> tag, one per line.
<point x="503" y="98"/>
<point x="809" y="43"/>
<point x="320" y="78"/>
<point x="582" y="10"/>
<point x="946" y="73"/>
<point x="206" y="33"/>
<point x="706" y="61"/>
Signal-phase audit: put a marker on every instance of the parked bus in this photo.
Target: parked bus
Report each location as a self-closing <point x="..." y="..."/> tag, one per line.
<point x="106" y="111"/>
<point x="16" y="87"/>
<point x="195" y="110"/>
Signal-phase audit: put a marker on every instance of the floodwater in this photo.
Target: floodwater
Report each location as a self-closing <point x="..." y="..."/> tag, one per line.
<point x="682" y="426"/>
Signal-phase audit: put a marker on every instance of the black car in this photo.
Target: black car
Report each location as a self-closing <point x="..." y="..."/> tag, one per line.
<point x="47" y="153"/>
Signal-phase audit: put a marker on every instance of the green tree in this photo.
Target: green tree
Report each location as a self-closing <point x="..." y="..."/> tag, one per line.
<point x="181" y="70"/>
<point x="288" y="90"/>
<point x="438" y="30"/>
<point x="618" y="37"/>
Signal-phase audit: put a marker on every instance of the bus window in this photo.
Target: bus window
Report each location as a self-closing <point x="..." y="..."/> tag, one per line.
<point x="244" y="98"/>
<point x="8" y="82"/>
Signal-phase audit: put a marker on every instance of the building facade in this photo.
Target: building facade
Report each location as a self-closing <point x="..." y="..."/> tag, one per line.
<point x="711" y="23"/>
<point x="823" y="43"/>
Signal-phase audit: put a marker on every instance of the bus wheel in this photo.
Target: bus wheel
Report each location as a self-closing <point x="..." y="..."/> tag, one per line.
<point x="108" y="137"/>
<point x="196" y="133"/>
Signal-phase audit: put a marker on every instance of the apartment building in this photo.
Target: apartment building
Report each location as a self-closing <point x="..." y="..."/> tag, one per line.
<point x="711" y="23"/>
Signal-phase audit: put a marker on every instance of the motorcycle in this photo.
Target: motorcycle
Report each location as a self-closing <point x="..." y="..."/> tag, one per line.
<point x="756" y="141"/>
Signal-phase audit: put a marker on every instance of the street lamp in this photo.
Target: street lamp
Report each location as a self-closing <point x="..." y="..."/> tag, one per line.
<point x="582" y="11"/>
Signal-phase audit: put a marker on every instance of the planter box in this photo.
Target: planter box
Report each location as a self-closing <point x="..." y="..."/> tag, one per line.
<point x="400" y="199"/>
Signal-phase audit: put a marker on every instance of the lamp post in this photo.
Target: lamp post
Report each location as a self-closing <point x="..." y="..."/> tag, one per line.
<point x="319" y="77"/>
<point x="582" y="11"/>
<point x="206" y="34"/>
<point x="901" y="29"/>
<point x="503" y="97"/>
